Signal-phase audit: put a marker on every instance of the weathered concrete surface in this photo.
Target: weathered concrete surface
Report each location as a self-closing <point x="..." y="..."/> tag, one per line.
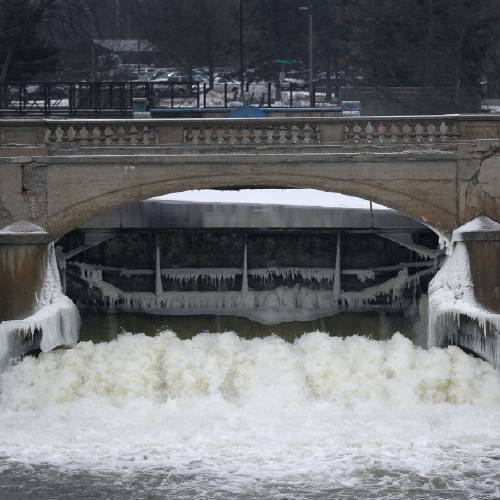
<point x="79" y="189"/>
<point x="22" y="270"/>
<point x="485" y="269"/>
<point x="479" y="187"/>
<point x="59" y="193"/>
<point x="23" y="190"/>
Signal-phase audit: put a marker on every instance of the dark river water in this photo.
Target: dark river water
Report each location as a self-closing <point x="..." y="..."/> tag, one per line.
<point x="105" y="327"/>
<point x="342" y="407"/>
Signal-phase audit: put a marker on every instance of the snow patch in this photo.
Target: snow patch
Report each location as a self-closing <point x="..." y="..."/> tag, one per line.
<point x="291" y="197"/>
<point x="481" y="224"/>
<point x="22" y="227"/>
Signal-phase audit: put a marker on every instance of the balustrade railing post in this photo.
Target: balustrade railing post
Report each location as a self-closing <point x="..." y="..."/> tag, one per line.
<point x="225" y="95"/>
<point x="269" y="90"/>
<point x="291" y="94"/>
<point x="204" y="95"/>
<point x="198" y="95"/>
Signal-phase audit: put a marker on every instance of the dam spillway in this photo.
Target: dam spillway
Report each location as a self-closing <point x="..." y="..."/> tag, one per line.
<point x="268" y="263"/>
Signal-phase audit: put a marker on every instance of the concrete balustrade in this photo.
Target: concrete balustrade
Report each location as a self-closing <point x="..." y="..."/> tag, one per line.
<point x="262" y="131"/>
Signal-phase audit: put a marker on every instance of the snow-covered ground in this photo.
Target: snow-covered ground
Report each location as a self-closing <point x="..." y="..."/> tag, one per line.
<point x="295" y="197"/>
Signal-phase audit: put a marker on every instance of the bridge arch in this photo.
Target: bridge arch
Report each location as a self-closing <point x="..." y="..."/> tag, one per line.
<point x="115" y="185"/>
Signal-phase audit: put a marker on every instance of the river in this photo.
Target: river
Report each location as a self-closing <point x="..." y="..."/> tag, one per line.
<point x="206" y="413"/>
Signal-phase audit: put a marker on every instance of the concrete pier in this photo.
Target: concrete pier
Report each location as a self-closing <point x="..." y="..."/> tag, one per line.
<point x="465" y="297"/>
<point x="23" y="264"/>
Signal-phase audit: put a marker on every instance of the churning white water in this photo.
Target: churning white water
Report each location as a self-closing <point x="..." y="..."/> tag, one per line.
<point x="221" y="417"/>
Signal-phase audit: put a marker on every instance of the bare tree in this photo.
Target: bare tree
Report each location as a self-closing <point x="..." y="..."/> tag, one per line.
<point x="190" y="33"/>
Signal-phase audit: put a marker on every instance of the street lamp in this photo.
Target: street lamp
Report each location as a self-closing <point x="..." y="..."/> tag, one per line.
<point x="309" y="9"/>
<point x="242" y="62"/>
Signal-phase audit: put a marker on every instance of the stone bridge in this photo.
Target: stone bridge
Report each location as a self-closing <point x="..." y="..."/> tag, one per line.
<point x="58" y="174"/>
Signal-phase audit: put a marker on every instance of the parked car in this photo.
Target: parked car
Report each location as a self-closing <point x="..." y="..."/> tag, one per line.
<point x="170" y="84"/>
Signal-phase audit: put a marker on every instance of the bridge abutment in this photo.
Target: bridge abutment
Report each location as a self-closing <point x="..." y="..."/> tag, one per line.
<point x="23" y="266"/>
<point x="34" y="312"/>
<point x="484" y="258"/>
<point x="465" y="294"/>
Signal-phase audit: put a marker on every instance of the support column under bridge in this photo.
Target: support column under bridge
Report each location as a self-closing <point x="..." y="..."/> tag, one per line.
<point x="465" y="294"/>
<point x="23" y="266"/>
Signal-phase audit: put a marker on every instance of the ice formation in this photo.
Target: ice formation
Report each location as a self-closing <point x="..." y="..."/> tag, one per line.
<point x="319" y="274"/>
<point x="451" y="296"/>
<point x="267" y="306"/>
<point x="216" y="276"/>
<point x="56" y="318"/>
<point x="393" y="288"/>
<point x="406" y="240"/>
<point x="213" y="277"/>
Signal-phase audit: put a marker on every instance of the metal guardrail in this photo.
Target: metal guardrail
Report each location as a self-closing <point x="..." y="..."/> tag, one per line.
<point x="116" y="98"/>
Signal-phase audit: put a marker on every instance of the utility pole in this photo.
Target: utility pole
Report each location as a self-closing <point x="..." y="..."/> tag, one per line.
<point x="242" y="62"/>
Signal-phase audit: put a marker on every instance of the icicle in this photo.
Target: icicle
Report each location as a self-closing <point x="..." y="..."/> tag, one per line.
<point x="158" y="284"/>
<point x="337" y="292"/>
<point x="362" y="275"/>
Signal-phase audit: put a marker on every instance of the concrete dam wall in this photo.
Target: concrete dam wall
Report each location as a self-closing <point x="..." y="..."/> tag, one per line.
<point x="267" y="263"/>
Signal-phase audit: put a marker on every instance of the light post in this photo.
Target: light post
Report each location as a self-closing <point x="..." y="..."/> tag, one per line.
<point x="309" y="9"/>
<point x="242" y="67"/>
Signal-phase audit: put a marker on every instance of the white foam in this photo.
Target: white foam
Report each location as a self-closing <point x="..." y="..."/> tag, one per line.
<point x="320" y="410"/>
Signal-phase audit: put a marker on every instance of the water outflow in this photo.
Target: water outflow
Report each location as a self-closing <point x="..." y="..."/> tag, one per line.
<point x="316" y="367"/>
<point x="218" y="413"/>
